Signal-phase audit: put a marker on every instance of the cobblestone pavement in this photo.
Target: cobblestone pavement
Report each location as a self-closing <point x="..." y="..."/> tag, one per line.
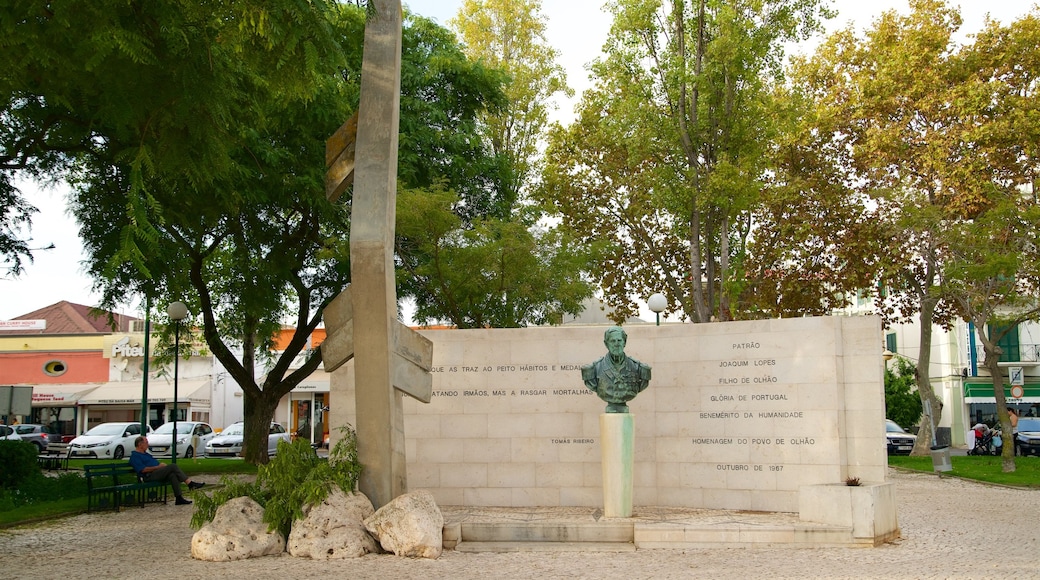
<point x="950" y="530"/>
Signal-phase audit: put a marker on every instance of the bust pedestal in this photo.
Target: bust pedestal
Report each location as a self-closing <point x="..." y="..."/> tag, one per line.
<point x="617" y="440"/>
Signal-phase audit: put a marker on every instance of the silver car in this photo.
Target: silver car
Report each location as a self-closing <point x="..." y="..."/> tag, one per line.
<point x="106" y="441"/>
<point x="38" y="435"/>
<point x="229" y="442"/>
<point x="192" y="437"/>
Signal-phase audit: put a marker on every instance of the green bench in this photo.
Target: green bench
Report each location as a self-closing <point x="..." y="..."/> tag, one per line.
<point x="111" y="486"/>
<point x="55" y="456"/>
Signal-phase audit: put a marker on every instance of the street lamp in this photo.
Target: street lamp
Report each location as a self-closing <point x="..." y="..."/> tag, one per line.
<point x="657" y="303"/>
<point x="177" y="312"/>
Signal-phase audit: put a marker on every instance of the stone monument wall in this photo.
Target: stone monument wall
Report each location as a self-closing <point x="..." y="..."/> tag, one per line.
<point x="738" y="415"/>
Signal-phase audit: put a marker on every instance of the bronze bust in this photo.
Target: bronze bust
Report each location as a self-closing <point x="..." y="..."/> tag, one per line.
<point x="616" y="378"/>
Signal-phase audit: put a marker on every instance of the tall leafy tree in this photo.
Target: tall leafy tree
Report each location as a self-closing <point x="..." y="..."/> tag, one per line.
<point x="260" y="244"/>
<point x="669" y="156"/>
<point x="491" y="273"/>
<point x="929" y="132"/>
<point x="509" y="36"/>
<point x="159" y="86"/>
<point x="472" y="251"/>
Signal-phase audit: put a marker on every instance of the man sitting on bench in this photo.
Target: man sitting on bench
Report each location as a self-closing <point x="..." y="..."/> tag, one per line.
<point x="149" y="469"/>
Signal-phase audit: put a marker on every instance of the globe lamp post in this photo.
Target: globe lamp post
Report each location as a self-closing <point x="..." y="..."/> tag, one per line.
<point x="177" y="312"/>
<point x="657" y="303"/>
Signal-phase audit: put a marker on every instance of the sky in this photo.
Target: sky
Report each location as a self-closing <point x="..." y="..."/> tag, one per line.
<point x="577" y="28"/>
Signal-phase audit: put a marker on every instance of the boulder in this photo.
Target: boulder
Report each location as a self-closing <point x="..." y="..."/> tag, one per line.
<point x="334" y="529"/>
<point x="410" y="525"/>
<point x="238" y="531"/>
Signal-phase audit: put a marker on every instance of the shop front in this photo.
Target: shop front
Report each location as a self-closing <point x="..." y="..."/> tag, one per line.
<point x="55" y="405"/>
<point x="121" y="401"/>
<point x="308" y="409"/>
<point x="982" y="406"/>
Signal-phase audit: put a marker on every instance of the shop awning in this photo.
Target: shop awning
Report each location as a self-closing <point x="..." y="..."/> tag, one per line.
<point x="60" y="394"/>
<point x="983" y="393"/>
<point x="159" y="391"/>
<point x="317" y="382"/>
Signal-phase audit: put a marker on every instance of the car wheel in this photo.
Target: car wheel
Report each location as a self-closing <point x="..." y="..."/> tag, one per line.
<point x="189" y="453"/>
<point x="39" y="447"/>
<point x="118" y="453"/>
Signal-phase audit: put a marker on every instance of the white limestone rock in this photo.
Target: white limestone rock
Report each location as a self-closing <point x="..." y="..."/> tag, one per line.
<point x="410" y="525"/>
<point x="238" y="531"/>
<point x="334" y="529"/>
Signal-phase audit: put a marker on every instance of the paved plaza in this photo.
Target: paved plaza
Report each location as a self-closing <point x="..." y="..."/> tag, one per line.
<point x="950" y="527"/>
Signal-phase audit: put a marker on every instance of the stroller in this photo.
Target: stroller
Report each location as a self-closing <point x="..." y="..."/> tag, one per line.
<point x="987" y="441"/>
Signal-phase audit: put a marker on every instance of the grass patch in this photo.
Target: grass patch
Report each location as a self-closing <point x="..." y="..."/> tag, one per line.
<point x="45" y="508"/>
<point x="980" y="468"/>
<point x="41" y="511"/>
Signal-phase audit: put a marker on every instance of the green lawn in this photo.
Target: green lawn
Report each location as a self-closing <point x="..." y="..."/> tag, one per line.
<point x="50" y="509"/>
<point x="980" y="468"/>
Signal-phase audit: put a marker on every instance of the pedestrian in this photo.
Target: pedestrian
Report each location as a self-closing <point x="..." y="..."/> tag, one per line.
<point x="149" y="469"/>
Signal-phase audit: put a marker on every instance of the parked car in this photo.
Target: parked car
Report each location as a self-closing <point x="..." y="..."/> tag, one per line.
<point x="192" y="437"/>
<point x="1027" y="438"/>
<point x="229" y="442"/>
<point x="8" y="434"/>
<point x="899" y="441"/>
<point x="107" y="441"/>
<point x="38" y="435"/>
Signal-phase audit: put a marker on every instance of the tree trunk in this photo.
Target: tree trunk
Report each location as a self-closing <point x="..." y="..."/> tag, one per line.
<point x="924" y="384"/>
<point x="259" y="412"/>
<point x="992" y="364"/>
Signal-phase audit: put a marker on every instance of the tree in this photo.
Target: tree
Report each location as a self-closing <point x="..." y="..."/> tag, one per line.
<point x="994" y="278"/>
<point x="902" y="405"/>
<point x="884" y="117"/>
<point x="671" y="148"/>
<point x="121" y="79"/>
<point x="509" y="35"/>
<point x="495" y="273"/>
<point x="936" y="136"/>
<point x="471" y="250"/>
<point x="258" y="245"/>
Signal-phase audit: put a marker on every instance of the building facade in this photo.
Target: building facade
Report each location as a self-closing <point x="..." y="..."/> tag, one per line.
<point x="85" y="372"/>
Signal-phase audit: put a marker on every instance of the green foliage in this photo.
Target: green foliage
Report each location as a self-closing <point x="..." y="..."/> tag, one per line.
<point x="498" y="273"/>
<point x="666" y="163"/>
<point x="38" y="488"/>
<point x="18" y="459"/>
<point x="902" y="404"/>
<point x="295" y="478"/>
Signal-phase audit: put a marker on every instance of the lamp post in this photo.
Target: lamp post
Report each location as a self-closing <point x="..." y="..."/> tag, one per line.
<point x="657" y="303"/>
<point x="177" y="312"/>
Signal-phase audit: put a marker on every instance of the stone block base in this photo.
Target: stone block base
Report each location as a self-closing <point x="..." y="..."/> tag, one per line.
<point x="869" y="509"/>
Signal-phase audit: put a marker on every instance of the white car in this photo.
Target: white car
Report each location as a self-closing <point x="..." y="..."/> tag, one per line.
<point x="8" y="434"/>
<point x="192" y="437"/>
<point x="229" y="442"/>
<point x="106" y="441"/>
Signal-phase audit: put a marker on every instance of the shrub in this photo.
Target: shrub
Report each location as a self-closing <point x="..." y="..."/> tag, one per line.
<point x="39" y="488"/>
<point x="295" y="477"/>
<point x="19" y="461"/>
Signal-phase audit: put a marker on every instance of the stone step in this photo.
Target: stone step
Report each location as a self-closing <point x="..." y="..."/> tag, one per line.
<point x="501" y="547"/>
<point x="579" y="532"/>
